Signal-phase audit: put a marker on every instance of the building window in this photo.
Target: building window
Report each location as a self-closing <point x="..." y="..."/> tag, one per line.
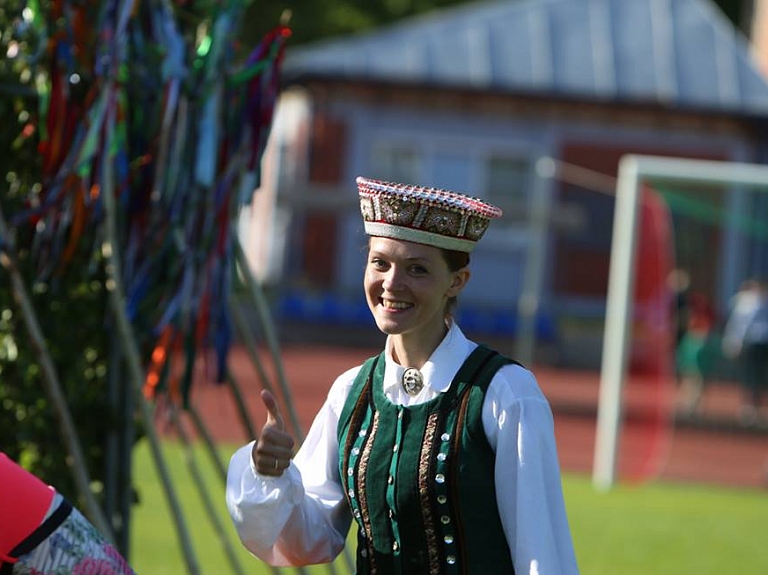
<point x="507" y="184"/>
<point x="394" y="163"/>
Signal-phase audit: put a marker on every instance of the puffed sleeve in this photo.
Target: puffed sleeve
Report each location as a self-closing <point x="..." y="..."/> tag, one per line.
<point x="301" y="517"/>
<point x="519" y="425"/>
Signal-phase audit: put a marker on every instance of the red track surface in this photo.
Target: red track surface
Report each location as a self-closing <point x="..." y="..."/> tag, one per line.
<point x="724" y="455"/>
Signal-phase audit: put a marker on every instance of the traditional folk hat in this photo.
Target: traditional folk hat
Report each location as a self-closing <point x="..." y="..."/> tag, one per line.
<point x="430" y="216"/>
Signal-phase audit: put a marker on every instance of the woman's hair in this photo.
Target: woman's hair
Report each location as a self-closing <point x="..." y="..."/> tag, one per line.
<point x="455" y="260"/>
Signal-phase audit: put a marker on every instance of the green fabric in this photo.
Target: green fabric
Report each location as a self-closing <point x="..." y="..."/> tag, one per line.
<point x="697" y="355"/>
<point x="438" y="481"/>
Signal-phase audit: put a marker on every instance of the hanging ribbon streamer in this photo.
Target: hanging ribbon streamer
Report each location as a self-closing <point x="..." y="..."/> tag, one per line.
<point x="183" y="128"/>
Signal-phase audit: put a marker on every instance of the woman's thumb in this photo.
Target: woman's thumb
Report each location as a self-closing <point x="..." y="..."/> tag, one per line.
<point x="273" y="409"/>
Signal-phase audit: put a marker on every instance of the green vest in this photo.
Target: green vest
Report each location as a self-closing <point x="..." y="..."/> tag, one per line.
<point x="420" y="480"/>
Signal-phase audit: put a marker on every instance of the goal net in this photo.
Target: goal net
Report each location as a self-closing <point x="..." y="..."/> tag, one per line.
<point x="686" y="236"/>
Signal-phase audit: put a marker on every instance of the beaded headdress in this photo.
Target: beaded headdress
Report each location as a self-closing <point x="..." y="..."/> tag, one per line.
<point x="431" y="216"/>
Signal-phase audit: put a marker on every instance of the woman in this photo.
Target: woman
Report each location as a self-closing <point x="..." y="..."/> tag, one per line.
<point x="441" y="450"/>
<point x="41" y="533"/>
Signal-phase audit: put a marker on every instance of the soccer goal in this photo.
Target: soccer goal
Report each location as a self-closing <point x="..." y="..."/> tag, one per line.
<point x="742" y="223"/>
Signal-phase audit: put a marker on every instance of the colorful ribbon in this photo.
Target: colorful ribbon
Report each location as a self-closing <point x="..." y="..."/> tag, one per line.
<point x="137" y="103"/>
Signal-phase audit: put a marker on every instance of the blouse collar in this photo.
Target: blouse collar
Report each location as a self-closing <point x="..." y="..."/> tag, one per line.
<point x="438" y="371"/>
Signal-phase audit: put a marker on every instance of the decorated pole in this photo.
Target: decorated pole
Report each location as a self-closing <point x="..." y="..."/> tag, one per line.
<point x="151" y="137"/>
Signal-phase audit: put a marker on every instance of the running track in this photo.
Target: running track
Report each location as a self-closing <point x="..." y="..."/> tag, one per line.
<point x="714" y="449"/>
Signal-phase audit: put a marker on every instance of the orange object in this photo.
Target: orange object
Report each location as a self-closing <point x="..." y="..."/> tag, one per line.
<point x="157" y="362"/>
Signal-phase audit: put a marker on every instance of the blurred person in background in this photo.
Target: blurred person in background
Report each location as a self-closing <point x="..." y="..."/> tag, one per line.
<point x="679" y="283"/>
<point x="696" y="350"/>
<point x="442" y="451"/>
<point x="42" y="534"/>
<point x="745" y="340"/>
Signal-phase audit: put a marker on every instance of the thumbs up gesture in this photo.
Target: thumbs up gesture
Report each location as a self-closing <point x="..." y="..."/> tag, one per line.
<point x="273" y="451"/>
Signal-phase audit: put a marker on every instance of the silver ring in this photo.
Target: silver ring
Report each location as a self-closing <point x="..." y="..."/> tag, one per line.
<point x="277" y="462"/>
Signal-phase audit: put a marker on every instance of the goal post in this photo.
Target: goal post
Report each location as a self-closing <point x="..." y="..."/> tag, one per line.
<point x="634" y="170"/>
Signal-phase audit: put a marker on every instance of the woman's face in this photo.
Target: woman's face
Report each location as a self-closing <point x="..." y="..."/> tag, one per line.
<point x="407" y="286"/>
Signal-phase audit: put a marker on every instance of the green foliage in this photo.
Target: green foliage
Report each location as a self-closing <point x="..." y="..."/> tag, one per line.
<point x="72" y="318"/>
<point x="19" y="165"/>
<point x="313" y="20"/>
<point x="69" y="302"/>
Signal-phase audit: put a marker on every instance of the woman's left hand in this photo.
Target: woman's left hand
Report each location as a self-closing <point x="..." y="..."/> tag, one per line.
<point x="273" y="451"/>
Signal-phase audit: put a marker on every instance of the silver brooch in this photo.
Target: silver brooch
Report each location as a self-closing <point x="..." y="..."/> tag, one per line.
<point x="413" y="381"/>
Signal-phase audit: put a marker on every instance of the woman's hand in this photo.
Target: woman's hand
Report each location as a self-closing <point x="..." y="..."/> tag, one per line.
<point x="273" y="451"/>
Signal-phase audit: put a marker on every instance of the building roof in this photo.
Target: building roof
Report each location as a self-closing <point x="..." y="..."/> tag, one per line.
<point x="676" y="53"/>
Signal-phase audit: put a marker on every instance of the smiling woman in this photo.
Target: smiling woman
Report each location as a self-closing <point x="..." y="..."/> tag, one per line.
<point x="440" y="449"/>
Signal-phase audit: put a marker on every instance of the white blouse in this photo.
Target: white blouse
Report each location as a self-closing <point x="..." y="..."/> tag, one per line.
<point x="302" y="517"/>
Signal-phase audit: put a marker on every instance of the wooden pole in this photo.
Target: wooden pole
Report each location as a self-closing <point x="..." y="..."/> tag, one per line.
<point x="210" y="446"/>
<point x="130" y="347"/>
<point x="237" y="395"/>
<point x="250" y="345"/>
<point x="210" y="508"/>
<point x="257" y="295"/>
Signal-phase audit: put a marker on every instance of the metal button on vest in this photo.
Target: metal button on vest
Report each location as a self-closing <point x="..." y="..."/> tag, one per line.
<point x="391" y="513"/>
<point x="395" y="546"/>
<point x="445" y="520"/>
<point x="390" y="480"/>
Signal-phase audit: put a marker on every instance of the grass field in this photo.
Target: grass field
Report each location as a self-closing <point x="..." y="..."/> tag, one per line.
<point x="652" y="529"/>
